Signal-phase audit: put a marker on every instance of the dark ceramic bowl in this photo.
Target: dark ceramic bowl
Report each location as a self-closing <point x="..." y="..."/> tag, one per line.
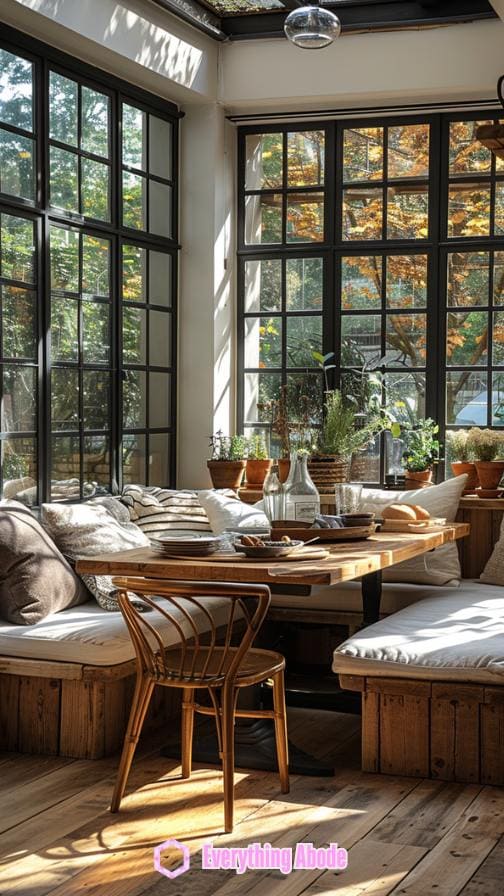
<point x="357" y="519"/>
<point x="269" y="550"/>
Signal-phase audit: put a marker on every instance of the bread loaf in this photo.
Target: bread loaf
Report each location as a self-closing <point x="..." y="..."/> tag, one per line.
<point x="421" y="512"/>
<point x="399" y="512"/>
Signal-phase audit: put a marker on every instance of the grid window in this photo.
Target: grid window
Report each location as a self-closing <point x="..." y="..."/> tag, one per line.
<point x="147" y="172"/>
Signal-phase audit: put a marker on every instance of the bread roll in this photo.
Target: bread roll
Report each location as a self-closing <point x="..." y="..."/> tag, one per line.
<point x="399" y="512"/>
<point x="421" y="512"/>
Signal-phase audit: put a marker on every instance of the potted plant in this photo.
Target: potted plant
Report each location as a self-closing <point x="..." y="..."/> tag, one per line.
<point x="421" y="453"/>
<point x="338" y="440"/>
<point x="487" y="446"/>
<point x="258" y="461"/>
<point x="461" y="456"/>
<point x="227" y="463"/>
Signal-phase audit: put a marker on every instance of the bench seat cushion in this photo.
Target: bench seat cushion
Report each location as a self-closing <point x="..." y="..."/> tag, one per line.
<point x="92" y="636"/>
<point x="456" y="636"/>
<point x="347" y="597"/>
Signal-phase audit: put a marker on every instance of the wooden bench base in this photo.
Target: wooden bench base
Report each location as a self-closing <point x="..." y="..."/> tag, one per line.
<point x="443" y="730"/>
<point x="66" y="709"/>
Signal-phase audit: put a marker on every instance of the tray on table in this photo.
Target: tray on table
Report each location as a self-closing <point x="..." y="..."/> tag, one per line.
<point x="294" y="530"/>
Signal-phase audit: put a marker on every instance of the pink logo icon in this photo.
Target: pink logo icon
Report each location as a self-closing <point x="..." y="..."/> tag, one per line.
<point x="185" y="855"/>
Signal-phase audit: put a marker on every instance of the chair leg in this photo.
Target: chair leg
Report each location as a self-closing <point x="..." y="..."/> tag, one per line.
<point x="282" y="743"/>
<point x="140" y="704"/>
<point x="187" y="730"/>
<point x="228" y="706"/>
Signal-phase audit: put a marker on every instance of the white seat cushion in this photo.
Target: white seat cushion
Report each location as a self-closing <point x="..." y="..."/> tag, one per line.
<point x="457" y="636"/>
<point x="92" y="636"/>
<point x="347" y="597"/>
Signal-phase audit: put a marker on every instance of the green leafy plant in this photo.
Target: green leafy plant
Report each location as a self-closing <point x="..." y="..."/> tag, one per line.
<point x="459" y="445"/>
<point x="486" y="444"/>
<point x="339" y="435"/>
<point x="256" y="448"/>
<point x="422" y="446"/>
<point x="228" y="447"/>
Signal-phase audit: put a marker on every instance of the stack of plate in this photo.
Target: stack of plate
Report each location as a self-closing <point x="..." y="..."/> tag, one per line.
<point x="186" y="545"/>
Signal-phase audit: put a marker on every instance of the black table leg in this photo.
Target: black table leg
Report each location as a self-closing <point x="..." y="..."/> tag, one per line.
<point x="371" y="597"/>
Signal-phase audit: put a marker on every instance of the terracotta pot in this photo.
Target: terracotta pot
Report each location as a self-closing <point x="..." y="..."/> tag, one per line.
<point x="283" y="469"/>
<point x="459" y="467"/>
<point x="489" y="473"/>
<point x="418" y="479"/>
<point x="327" y="471"/>
<point x="227" y="473"/>
<point x="256" y="472"/>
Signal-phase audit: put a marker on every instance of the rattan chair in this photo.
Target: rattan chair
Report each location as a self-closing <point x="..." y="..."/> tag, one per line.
<point x="200" y="662"/>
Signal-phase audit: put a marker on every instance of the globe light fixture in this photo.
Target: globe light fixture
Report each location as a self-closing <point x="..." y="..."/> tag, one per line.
<point x="312" y="27"/>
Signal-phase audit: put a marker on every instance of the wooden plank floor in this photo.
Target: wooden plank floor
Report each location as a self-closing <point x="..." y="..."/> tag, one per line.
<point x="405" y="837"/>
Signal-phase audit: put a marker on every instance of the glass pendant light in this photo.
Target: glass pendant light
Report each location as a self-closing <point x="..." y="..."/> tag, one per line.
<point x="312" y="27"/>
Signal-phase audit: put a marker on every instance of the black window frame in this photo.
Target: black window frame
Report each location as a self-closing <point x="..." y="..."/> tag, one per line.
<point x="45" y="59"/>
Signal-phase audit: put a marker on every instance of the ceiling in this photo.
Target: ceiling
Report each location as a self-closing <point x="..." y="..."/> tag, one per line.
<point x="248" y="19"/>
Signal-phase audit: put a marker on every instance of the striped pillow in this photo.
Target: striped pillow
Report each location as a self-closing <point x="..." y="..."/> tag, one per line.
<point x="161" y="510"/>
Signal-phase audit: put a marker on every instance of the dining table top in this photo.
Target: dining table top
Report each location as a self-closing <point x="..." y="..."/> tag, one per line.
<point x="346" y="561"/>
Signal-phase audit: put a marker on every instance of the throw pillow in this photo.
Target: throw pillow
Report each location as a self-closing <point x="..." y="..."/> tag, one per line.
<point x="83" y="530"/>
<point x="230" y="514"/>
<point x="493" y="573"/>
<point x="35" y="578"/>
<point x="439" y="567"/>
<point x="159" y="510"/>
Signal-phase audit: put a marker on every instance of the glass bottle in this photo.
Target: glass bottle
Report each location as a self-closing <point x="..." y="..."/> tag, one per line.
<point x="289" y="483"/>
<point x="274" y="496"/>
<point x="302" y="498"/>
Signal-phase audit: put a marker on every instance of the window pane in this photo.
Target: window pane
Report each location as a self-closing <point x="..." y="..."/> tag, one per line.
<point x="19" y="399"/>
<point x="264" y="161"/>
<point x="133" y="459"/>
<point x="159" y="400"/>
<point x="64" y="329"/>
<point x="305" y="217"/>
<point x="96" y="463"/>
<point x="19" y="323"/>
<point x="407" y="214"/>
<point x="95" y="190"/>
<point x="160" y="281"/>
<point x="160" y="208"/>
<point x="134" y="399"/>
<point x="17" y="242"/>
<point x="19" y="470"/>
<point x="16" y="91"/>
<point x="159" y="338"/>
<point x="304" y="398"/>
<point x="65" y="471"/>
<point x="17" y="165"/>
<point x="304" y="284"/>
<point x="263" y="285"/>
<point x="64" y="180"/>
<point x="406" y="395"/>
<point x="134" y="274"/>
<point x="263" y="342"/>
<point x="498" y="399"/>
<point x="361" y="338"/>
<point x="95" y="122"/>
<point x="406" y="281"/>
<point x="498" y="338"/>
<point x="159" y="459"/>
<point x="96" y="399"/>
<point x="408" y="151"/>
<point x="468" y="278"/>
<point x="467" y="338"/>
<point x="160" y="147"/>
<point x="466" y="397"/>
<point x="498" y="279"/>
<point x="64" y="259"/>
<point x="305" y="158"/>
<point x="406" y="339"/>
<point x="96" y="335"/>
<point x="361" y="282"/>
<point x="64" y="398"/>
<point x="499" y="209"/>
<point x="260" y="389"/>
<point x="134" y="336"/>
<point x="62" y="109"/>
<point x="134" y="200"/>
<point x="304" y="336"/>
<point x="467" y="154"/>
<point x="95" y="266"/>
<point x="263" y="219"/>
<point x="469" y="210"/>
<point x="363" y="154"/>
<point x="134" y="137"/>
<point x="362" y="214"/>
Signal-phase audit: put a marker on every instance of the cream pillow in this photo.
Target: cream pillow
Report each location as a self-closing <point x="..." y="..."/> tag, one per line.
<point x="226" y="513"/>
<point x="493" y="573"/>
<point x="439" y="567"/>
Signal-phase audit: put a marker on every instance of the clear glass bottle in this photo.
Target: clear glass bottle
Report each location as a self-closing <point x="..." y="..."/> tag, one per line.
<point x="302" y="498"/>
<point x="274" y="496"/>
<point x="289" y="483"/>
